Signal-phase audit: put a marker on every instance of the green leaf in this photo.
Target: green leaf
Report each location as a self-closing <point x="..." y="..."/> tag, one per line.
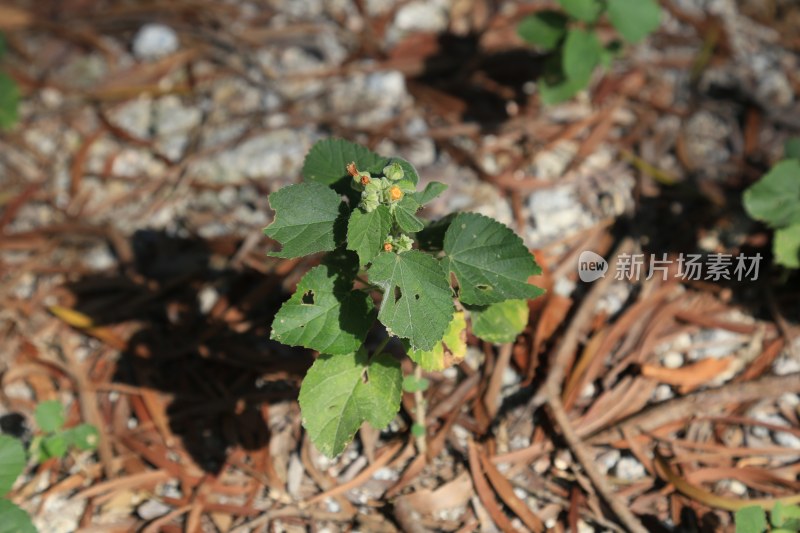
<point x="785" y="516"/>
<point x="786" y="246"/>
<point x="544" y="29"/>
<point x="9" y="102"/>
<point x="751" y="519"/>
<point x="500" y="322"/>
<point x="53" y="446"/>
<point x="417" y="300"/>
<point x="83" y="436"/>
<point x="634" y="19"/>
<point x="50" y="416"/>
<point x="775" y="198"/>
<point x="431" y="191"/>
<point x="791" y="148"/>
<point x="412" y="384"/>
<point x="405" y="215"/>
<point x="555" y="92"/>
<point x="340" y="392"/>
<point x="489" y="260"/>
<point x="13" y="519"/>
<point x="366" y="232"/>
<point x="324" y="313"/>
<point x="2" y="45"/>
<point x="327" y="161"/>
<point x="12" y="462"/>
<point x="582" y="53"/>
<point x="585" y="10"/>
<point x="308" y="219"/>
<point x="447" y="352"/>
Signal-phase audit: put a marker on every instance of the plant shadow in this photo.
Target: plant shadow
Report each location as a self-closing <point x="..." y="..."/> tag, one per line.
<point x="203" y="342"/>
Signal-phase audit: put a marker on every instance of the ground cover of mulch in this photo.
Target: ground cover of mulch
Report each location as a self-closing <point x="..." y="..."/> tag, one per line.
<point x="136" y="289"/>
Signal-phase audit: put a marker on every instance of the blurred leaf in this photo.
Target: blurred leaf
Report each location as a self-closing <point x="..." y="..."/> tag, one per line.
<point x="431" y="191"/>
<point x="791" y="148"/>
<point x="412" y="384"/>
<point x="53" y="446"/>
<point x="634" y="19"/>
<point x="775" y="198"/>
<point x="751" y="519"/>
<point x="9" y="102"/>
<point x="585" y="10"/>
<point x="13" y="519"/>
<point x="582" y="53"/>
<point x="50" y="416"/>
<point x="83" y="436"/>
<point x="500" y="322"/>
<point x="544" y="29"/>
<point x="12" y="462"/>
<point x="786" y="246"/>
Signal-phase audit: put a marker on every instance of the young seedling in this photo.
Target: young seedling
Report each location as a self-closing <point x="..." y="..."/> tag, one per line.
<point x="52" y="441"/>
<point x="576" y="48"/>
<point x="775" y="200"/>
<point x="419" y="280"/>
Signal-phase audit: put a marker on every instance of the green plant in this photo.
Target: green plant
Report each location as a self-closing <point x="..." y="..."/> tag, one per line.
<point x="361" y="208"/>
<point x="9" y="95"/>
<point x="52" y="441"/>
<point x="574" y="41"/>
<point x="12" y="462"/>
<point x="775" y="200"/>
<point x="783" y="519"/>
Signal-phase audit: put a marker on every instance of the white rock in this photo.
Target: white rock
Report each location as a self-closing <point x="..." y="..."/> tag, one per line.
<point x="154" y="40"/>
<point x="629" y="469"/>
<point x="152" y="509"/>
<point x="421" y="16"/>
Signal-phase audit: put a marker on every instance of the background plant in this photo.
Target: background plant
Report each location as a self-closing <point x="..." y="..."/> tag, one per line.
<point x="783" y="519"/>
<point x="52" y="440"/>
<point x="775" y="200"/>
<point x="361" y="208"/>
<point x="9" y="94"/>
<point x="576" y="48"/>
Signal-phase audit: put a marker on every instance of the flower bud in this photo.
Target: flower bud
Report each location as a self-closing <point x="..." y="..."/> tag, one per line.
<point x="393" y="171"/>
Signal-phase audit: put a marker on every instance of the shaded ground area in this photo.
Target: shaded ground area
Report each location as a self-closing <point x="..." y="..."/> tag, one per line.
<point x="136" y="289"/>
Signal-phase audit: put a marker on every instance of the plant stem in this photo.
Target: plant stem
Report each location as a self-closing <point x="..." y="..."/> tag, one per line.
<point x="419" y="401"/>
<point x="381" y="346"/>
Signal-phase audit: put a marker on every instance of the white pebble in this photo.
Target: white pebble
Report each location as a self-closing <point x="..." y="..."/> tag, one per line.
<point x="154" y="40"/>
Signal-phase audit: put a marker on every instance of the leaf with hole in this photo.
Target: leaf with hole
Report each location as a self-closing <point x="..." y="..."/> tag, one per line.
<point x="309" y="218"/>
<point x="634" y="19"/>
<point x="83" y="436"/>
<point x="366" y="232"/>
<point x="489" y="261"/>
<point x="340" y="392"/>
<point x="544" y="29"/>
<point x="324" y="313"/>
<point x="500" y="322"/>
<point x="447" y="352"/>
<point x="417" y="300"/>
